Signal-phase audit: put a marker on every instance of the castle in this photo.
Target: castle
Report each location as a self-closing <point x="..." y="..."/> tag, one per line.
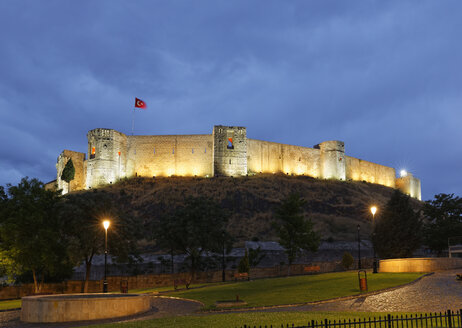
<point x="113" y="155"/>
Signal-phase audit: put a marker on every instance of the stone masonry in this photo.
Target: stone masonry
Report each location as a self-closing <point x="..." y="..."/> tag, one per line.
<point x="112" y="155"/>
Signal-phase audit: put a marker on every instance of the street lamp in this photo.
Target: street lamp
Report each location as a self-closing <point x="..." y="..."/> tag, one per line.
<point x="374" y="265"/>
<point x="359" y="248"/>
<point x="106" y="224"/>
<point x="223" y="276"/>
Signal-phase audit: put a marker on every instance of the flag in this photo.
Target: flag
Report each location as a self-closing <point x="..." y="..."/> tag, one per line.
<point x="140" y="104"/>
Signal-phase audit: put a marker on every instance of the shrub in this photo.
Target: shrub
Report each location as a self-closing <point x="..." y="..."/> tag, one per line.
<point x="347" y="260"/>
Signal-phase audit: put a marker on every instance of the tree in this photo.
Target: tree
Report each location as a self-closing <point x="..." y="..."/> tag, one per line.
<point x="68" y="173"/>
<point x="295" y="232"/>
<point x="255" y="256"/>
<point x="444" y="215"/>
<point x="398" y="228"/>
<point x="83" y="214"/>
<point x="195" y="229"/>
<point x="347" y="260"/>
<point x="31" y="234"/>
<point x="244" y="265"/>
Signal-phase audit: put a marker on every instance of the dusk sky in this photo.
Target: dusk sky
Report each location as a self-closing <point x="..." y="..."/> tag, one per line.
<point x="385" y="77"/>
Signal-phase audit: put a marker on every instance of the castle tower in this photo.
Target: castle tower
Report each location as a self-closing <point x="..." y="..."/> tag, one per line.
<point x="332" y="160"/>
<point x="229" y="150"/>
<point x="107" y="156"/>
<point x="409" y="185"/>
<point x="78" y="159"/>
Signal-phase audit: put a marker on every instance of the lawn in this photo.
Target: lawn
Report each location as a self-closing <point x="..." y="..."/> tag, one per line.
<point x="232" y="320"/>
<point x="292" y="290"/>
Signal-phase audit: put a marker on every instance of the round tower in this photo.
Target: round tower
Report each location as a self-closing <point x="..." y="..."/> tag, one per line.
<point x="332" y="160"/>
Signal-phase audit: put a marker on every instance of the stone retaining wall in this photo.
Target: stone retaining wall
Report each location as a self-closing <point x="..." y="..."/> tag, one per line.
<point x="420" y="264"/>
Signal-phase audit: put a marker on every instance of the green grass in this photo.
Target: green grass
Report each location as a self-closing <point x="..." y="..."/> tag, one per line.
<point x="232" y="320"/>
<point x="169" y="288"/>
<point x="11" y="304"/>
<point x="292" y="290"/>
<point x="276" y="291"/>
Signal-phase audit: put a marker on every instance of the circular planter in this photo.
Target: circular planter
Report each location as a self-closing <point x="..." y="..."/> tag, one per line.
<point x="80" y="307"/>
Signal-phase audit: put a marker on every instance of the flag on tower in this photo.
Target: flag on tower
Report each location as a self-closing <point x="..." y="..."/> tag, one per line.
<point x="140" y="104"/>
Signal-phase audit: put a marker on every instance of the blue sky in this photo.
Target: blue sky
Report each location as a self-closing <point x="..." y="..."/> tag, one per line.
<point x="382" y="76"/>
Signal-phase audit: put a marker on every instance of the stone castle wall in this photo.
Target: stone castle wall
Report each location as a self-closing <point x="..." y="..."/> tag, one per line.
<point x="360" y="170"/>
<point x="226" y="152"/>
<point x="272" y="157"/>
<point x="183" y="155"/>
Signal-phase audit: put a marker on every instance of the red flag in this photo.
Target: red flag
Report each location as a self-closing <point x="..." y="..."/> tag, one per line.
<point x="140" y="104"/>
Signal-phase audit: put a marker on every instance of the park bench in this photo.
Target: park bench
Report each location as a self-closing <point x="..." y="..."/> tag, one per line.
<point x="311" y="268"/>
<point x="241" y="276"/>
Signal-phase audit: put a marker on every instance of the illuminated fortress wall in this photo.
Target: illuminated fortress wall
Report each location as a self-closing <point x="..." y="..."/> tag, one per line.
<point x="183" y="155"/>
<point x="360" y="170"/>
<point x="272" y="157"/>
<point x="226" y="152"/>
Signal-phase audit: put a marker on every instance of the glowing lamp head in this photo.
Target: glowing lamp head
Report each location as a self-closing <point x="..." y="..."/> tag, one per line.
<point x="106" y="224"/>
<point x="373" y="210"/>
<point x="403" y="173"/>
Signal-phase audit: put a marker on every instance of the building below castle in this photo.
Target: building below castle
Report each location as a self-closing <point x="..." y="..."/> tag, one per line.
<point x="113" y="155"/>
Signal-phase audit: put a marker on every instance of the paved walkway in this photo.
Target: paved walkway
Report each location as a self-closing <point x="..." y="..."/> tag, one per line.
<point x="436" y="293"/>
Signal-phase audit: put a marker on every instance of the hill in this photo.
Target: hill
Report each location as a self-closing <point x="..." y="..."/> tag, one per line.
<point x="335" y="207"/>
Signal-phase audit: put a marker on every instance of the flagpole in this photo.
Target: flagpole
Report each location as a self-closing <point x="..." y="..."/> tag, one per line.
<point x="133" y="121"/>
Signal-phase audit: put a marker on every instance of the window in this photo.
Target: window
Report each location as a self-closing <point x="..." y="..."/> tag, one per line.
<point x="154" y="151"/>
<point x="230" y="161"/>
<point x="93" y="152"/>
<point x="173" y="150"/>
<point x="230" y="143"/>
<point x="230" y="136"/>
<point x="192" y="150"/>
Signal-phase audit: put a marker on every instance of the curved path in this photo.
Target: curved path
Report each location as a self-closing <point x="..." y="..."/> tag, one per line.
<point x="435" y="293"/>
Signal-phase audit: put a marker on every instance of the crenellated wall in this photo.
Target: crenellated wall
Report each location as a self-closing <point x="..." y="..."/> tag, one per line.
<point x="227" y="151"/>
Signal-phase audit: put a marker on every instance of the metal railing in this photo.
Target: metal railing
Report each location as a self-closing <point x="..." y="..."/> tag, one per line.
<point x="448" y="319"/>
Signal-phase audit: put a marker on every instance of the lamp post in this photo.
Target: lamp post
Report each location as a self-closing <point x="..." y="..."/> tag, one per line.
<point x="106" y="224"/>
<point x="223" y="276"/>
<point x="359" y="248"/>
<point x="374" y="265"/>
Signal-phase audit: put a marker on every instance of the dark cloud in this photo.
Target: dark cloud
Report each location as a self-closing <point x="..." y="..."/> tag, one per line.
<point x="382" y="76"/>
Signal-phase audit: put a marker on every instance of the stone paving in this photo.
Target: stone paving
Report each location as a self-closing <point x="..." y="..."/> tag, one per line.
<point x="436" y="293"/>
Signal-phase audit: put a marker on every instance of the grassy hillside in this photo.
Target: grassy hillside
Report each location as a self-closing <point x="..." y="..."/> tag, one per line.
<point x="336" y="207"/>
